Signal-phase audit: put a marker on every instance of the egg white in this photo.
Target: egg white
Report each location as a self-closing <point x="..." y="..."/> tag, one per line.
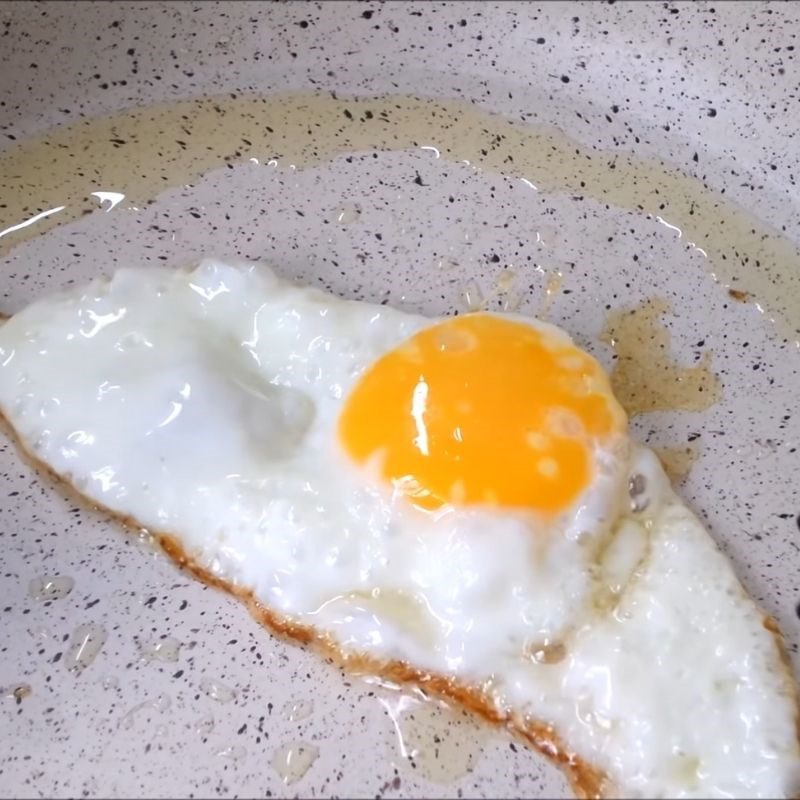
<point x="204" y="404"/>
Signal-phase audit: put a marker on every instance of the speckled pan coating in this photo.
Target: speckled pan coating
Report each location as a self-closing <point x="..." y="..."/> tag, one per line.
<point x="707" y="88"/>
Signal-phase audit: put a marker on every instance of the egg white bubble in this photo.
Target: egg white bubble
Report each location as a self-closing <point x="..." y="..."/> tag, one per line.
<point x="204" y="404"/>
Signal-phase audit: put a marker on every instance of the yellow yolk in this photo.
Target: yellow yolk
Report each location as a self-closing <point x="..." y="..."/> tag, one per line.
<point x="482" y="410"/>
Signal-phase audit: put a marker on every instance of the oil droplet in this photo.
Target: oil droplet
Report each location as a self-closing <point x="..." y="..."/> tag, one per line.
<point x="551" y="289"/>
<point x="40" y="633"/>
<point x="234" y="752"/>
<point x="55" y="587"/>
<point x="18" y="693"/>
<point x="144" y="540"/>
<point x="677" y="461"/>
<point x="167" y="650"/>
<point x="645" y="376"/>
<point x="505" y="293"/>
<point x="445" y="263"/>
<point x="554" y="284"/>
<point x="347" y="215"/>
<point x="86" y="642"/>
<point x="546" y="652"/>
<point x="295" y="711"/>
<point x="505" y="280"/>
<point x="443" y="744"/>
<point x="473" y="297"/>
<point x="217" y="690"/>
<point x="162" y="703"/>
<point x="293" y="760"/>
<point x="411" y="301"/>
<point x="159" y="705"/>
<point x="204" y="726"/>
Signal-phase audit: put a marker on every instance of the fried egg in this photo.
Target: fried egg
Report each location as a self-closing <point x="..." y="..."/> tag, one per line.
<point x="458" y="496"/>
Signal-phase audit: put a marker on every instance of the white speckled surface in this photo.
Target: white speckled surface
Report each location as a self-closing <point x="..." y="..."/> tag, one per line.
<point x="709" y="89"/>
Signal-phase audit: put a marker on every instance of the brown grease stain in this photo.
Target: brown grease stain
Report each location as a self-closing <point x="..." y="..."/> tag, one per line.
<point x="142" y="151"/>
<point x="645" y="376"/>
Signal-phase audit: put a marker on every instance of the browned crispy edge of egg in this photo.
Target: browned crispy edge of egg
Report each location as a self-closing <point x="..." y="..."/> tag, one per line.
<point x="588" y="782"/>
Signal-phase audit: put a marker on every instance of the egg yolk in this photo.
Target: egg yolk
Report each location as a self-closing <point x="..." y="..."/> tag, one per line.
<point x="482" y="410"/>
